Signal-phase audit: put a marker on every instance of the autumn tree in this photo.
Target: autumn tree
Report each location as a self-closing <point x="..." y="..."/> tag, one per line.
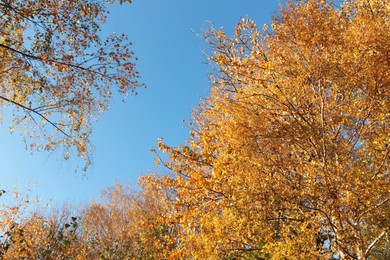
<point x="43" y="235"/>
<point x="289" y="155"/>
<point x="29" y="230"/>
<point x="124" y="224"/>
<point x="57" y="74"/>
<point x="121" y="224"/>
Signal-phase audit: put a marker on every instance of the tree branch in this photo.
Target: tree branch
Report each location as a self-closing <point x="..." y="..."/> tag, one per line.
<point x="37" y="113"/>
<point x="370" y="246"/>
<point x="51" y="60"/>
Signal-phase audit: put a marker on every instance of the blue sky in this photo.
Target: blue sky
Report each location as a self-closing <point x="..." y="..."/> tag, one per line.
<point x="171" y="64"/>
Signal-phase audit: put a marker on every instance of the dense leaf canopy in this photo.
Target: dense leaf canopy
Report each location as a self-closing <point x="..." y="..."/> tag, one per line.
<point x="289" y="156"/>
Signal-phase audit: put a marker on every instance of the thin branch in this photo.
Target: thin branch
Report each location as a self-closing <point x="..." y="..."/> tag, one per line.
<point x="370" y="246"/>
<point x="52" y="60"/>
<point x="37" y="113"/>
<point x="383" y="162"/>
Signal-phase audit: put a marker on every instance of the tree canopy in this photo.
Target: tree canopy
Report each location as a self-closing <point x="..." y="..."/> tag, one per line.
<point x="57" y="73"/>
<point x="119" y="225"/>
<point x="289" y="155"/>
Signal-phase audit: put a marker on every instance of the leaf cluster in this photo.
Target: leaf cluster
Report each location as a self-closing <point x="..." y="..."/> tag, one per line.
<point x="57" y="73"/>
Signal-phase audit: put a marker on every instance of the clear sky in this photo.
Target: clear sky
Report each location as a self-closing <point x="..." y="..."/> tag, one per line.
<point x="171" y="64"/>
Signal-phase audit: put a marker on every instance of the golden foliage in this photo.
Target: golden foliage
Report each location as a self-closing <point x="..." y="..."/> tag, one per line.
<point x="289" y="156"/>
<point x="122" y="224"/>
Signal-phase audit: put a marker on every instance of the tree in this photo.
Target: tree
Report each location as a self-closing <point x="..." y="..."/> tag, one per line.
<point x="43" y="237"/>
<point x="289" y="155"/>
<point x="57" y="73"/>
<point x="30" y="231"/>
<point x="124" y="224"/>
